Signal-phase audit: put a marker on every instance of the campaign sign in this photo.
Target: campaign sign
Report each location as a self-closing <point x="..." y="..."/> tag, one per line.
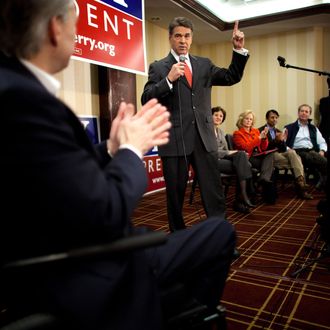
<point x="132" y="7"/>
<point x="153" y="165"/>
<point x="91" y="125"/>
<point x="111" y="33"/>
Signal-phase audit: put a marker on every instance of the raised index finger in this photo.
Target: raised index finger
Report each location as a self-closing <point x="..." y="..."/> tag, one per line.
<point x="236" y="26"/>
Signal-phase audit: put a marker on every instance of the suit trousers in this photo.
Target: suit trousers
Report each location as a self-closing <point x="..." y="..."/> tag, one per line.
<point x="313" y="160"/>
<point x="175" y="170"/>
<point x="289" y="159"/>
<point x="199" y="257"/>
<point x="237" y="163"/>
<point x="265" y="164"/>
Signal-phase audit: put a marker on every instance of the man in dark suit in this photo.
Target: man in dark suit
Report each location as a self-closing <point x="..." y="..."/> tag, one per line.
<point x="60" y="192"/>
<point x="192" y="140"/>
<point x="285" y="157"/>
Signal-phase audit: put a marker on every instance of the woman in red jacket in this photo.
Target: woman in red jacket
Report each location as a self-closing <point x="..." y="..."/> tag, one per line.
<point x="255" y="143"/>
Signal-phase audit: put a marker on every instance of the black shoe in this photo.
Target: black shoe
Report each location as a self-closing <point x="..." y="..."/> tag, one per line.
<point x="305" y="195"/>
<point x="320" y="184"/>
<point x="240" y="207"/>
<point x="249" y="203"/>
<point x="254" y="199"/>
<point x="263" y="181"/>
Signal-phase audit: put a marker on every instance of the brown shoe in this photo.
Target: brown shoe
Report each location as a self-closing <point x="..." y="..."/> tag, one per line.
<point x="300" y="182"/>
<point x="301" y="188"/>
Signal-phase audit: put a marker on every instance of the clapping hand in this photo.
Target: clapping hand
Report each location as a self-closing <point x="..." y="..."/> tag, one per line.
<point x="285" y="134"/>
<point x="263" y="133"/>
<point x="143" y="130"/>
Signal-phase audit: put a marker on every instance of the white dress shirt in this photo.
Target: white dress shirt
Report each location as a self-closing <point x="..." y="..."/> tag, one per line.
<point x="303" y="140"/>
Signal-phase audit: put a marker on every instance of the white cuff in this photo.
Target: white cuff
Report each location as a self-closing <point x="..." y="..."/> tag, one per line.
<point x="170" y="85"/>
<point x="242" y="51"/>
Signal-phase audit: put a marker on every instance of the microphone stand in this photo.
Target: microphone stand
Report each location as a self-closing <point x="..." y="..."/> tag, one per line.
<point x="281" y="61"/>
<point x="324" y="252"/>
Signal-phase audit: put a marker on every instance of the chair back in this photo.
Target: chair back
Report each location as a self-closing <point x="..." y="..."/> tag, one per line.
<point x="230" y="141"/>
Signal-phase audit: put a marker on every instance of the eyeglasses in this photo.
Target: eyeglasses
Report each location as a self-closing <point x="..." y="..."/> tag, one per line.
<point x="178" y="36"/>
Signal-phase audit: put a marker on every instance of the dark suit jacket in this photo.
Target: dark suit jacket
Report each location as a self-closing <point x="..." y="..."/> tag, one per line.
<point x="292" y="131"/>
<point x="190" y="107"/>
<point x="325" y="117"/>
<point x="273" y="143"/>
<point x="59" y="192"/>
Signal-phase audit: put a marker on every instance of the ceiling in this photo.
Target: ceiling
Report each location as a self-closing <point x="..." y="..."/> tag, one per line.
<point x="210" y="29"/>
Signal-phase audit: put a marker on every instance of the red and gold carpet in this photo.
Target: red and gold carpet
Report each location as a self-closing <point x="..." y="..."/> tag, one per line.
<point x="265" y="289"/>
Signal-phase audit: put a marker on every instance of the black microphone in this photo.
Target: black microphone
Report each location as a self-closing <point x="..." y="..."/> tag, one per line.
<point x="281" y="60"/>
<point x="182" y="59"/>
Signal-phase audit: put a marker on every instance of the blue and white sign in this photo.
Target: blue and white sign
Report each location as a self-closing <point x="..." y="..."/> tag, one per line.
<point x="91" y="125"/>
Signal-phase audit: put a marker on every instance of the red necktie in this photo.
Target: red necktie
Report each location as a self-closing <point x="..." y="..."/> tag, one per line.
<point x="188" y="73"/>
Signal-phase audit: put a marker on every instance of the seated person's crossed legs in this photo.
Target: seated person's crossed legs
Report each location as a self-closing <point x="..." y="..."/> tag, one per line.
<point x="238" y="163"/>
<point x="311" y="159"/>
<point x="291" y="160"/>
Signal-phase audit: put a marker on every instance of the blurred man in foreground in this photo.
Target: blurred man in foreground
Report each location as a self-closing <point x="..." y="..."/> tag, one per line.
<point x="61" y="192"/>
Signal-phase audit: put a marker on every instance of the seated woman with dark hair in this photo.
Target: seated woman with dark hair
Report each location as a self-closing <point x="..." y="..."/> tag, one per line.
<point x="232" y="161"/>
<point x="255" y="143"/>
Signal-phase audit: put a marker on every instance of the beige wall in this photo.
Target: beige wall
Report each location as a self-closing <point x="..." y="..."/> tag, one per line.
<point x="79" y="87"/>
<point x="264" y="85"/>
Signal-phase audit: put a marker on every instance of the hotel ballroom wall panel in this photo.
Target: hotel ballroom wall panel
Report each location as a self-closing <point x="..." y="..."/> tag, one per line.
<point x="265" y="84"/>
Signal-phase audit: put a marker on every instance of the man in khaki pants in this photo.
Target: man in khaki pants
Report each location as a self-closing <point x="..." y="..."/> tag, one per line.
<point x="285" y="157"/>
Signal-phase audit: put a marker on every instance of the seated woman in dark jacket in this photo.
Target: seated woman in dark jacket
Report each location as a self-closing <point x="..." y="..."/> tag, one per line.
<point x="232" y="161"/>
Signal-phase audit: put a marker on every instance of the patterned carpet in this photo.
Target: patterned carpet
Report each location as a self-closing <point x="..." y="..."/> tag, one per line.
<point x="263" y="290"/>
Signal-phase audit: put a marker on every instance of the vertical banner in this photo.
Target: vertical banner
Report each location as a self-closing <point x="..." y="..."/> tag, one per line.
<point x="111" y="33"/>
